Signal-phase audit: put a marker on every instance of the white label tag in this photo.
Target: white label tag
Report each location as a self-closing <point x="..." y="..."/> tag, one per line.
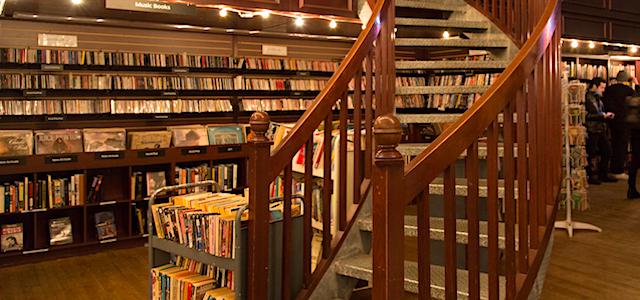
<point x="57" y="40"/>
<point x="274" y="50"/>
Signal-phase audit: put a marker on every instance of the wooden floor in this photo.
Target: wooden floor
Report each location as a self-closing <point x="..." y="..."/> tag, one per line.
<point x="590" y="266"/>
<point x="599" y="265"/>
<point x="109" y="275"/>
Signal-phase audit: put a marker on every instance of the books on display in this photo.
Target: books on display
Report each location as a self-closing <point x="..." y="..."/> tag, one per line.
<point x="59" y="141"/>
<point x="105" y="139"/>
<point x="190" y="135"/>
<point x="60" y="231"/>
<point x="16" y="142"/>
<point x="105" y="225"/>
<point x="226" y="134"/>
<point x="11" y="236"/>
<point x="149" y="140"/>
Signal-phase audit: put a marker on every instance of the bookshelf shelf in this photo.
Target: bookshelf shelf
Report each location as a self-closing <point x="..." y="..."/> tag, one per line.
<point x="181" y="250"/>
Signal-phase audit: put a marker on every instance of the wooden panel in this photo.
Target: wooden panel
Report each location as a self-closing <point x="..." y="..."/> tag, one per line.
<point x="296" y="48"/>
<point x="590" y="3"/>
<point x="625" y="32"/>
<point x="625" y="6"/>
<point x="585" y="28"/>
<point x="333" y="7"/>
<point x="270" y="4"/>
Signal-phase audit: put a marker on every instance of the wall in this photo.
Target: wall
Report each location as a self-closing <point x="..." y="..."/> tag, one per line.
<point x="602" y="20"/>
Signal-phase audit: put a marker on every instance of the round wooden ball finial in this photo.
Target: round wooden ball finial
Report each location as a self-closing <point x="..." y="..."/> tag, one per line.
<point x="388" y="134"/>
<point x="259" y="123"/>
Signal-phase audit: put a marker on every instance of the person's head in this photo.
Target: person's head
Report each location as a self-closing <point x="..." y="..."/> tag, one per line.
<point x="597" y="85"/>
<point x="623" y="77"/>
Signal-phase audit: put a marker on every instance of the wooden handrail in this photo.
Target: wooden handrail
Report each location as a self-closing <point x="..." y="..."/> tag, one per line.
<point x="457" y="137"/>
<point x="324" y="102"/>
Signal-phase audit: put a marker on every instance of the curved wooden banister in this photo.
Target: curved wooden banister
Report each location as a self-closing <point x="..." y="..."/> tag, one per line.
<point x="459" y="136"/>
<point x="325" y="101"/>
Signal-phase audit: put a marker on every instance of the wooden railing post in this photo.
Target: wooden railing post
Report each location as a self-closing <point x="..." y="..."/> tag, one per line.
<point x="258" y="253"/>
<point x="388" y="211"/>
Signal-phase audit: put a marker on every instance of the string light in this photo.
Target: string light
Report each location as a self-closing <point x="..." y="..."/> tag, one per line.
<point x="76" y="2"/>
<point x="592" y="45"/>
<point x="634" y="49"/>
<point x="446" y="34"/>
<point x="333" y="24"/>
<point x="299" y="21"/>
<point x="574" y="44"/>
<point x="265" y="14"/>
<point x="223" y="12"/>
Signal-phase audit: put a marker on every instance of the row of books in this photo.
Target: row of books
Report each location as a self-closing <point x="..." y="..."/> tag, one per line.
<point x="275" y="104"/>
<point x="585" y="71"/>
<point x="110" y="58"/>
<point x="113" y="82"/>
<point x="185" y="279"/>
<point x="614" y="69"/>
<point x="437" y="101"/>
<point x="106" y="106"/>
<point x="28" y="194"/>
<point x="61" y="141"/>
<point x="226" y="175"/>
<point x="272" y="84"/>
<point x="463" y="80"/>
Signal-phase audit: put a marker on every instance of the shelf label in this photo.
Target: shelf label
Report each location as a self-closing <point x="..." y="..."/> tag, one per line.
<point x="108" y="203"/>
<point x="296" y="93"/>
<point x="275" y="50"/>
<point x="36" y="251"/>
<point x="303" y="73"/>
<point x="180" y="70"/>
<point x="38" y="210"/>
<point x="55" y="118"/>
<point x="169" y="93"/>
<point x="161" y="117"/>
<point x="12" y="161"/>
<point x="108" y="241"/>
<point x="151" y="153"/>
<point x="110" y="155"/>
<point x="60" y="159"/>
<point x="194" y="151"/>
<point x="229" y="149"/>
<point x="33" y="93"/>
<point x="45" y="67"/>
<point x="151" y="6"/>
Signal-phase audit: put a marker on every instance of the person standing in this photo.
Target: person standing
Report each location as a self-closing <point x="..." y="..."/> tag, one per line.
<point x="597" y="139"/>
<point x="614" y="101"/>
<point x="632" y="120"/>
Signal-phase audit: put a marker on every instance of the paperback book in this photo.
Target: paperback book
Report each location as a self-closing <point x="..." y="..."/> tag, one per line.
<point x="188" y="136"/>
<point x="155" y="180"/>
<point x="105" y="225"/>
<point x="16" y="142"/>
<point x="224" y="135"/>
<point x="60" y="231"/>
<point x="11" y="236"/>
<point x="58" y="141"/>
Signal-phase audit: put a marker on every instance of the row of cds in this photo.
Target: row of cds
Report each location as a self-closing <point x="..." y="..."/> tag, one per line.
<point x="109" y="58"/>
<point x="120" y="82"/>
<point x="106" y="106"/>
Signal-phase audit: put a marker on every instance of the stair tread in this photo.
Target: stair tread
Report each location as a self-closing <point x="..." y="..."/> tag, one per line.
<point x="436" y="230"/>
<point x="360" y="267"/>
<point x="414" y="149"/>
<point x="437" y="187"/>
<point x="450" y="64"/>
<point x="428" y="118"/>
<point x="433" y="5"/>
<point x="465" y="43"/>
<point x="462" y="89"/>
<point x="449" y="23"/>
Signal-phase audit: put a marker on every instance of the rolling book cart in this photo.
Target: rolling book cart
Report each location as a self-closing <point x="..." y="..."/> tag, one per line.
<point x="160" y="250"/>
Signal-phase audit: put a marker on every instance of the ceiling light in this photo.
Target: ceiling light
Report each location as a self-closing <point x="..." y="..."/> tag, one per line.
<point x="574" y="44"/>
<point x="69" y="18"/>
<point x="634" y="49"/>
<point x="299" y="21"/>
<point x="99" y="20"/>
<point x="446" y="34"/>
<point x="76" y="2"/>
<point x="591" y="45"/>
<point x="333" y="24"/>
<point x="265" y="14"/>
<point x="223" y="12"/>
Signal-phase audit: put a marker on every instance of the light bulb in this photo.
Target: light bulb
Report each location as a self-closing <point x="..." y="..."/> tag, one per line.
<point x="333" y="24"/>
<point x="446" y="34"/>
<point x="299" y="21"/>
<point x="592" y="45"/>
<point x="364" y="26"/>
<point x="634" y="49"/>
<point x="265" y="14"/>
<point x="76" y="2"/>
<point x="574" y="44"/>
<point x="223" y="12"/>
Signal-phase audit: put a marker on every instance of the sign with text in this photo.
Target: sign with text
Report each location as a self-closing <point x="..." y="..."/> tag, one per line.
<point x="57" y="40"/>
<point x="151" y="6"/>
<point x="275" y="50"/>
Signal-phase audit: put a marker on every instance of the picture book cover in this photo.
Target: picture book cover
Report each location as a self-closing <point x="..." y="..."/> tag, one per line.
<point x="188" y="136"/>
<point x="105" y="225"/>
<point x="224" y="135"/>
<point x="155" y="180"/>
<point x="105" y="139"/>
<point x="16" y="142"/>
<point x="60" y="232"/>
<point x="11" y="237"/>
<point x="149" y="139"/>
<point x="58" y="141"/>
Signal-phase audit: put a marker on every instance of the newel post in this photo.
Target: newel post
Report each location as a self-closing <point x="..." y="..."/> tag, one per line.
<point x="388" y="210"/>
<point x="258" y="242"/>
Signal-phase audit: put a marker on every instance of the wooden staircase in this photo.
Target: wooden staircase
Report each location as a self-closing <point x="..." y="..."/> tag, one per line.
<point x="481" y="197"/>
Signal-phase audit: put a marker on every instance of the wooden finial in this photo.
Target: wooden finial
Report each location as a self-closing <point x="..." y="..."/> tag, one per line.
<point x="388" y="134"/>
<point x="259" y="122"/>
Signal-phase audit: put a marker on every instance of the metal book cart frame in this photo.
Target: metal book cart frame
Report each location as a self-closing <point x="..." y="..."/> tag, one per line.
<point x="160" y="250"/>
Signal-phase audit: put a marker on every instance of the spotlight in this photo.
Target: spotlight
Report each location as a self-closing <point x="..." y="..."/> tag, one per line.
<point x="265" y="14"/>
<point x="76" y="2"/>
<point x="634" y="49"/>
<point x="299" y="21"/>
<point x="333" y="24"/>
<point x="446" y="34"/>
<point x="592" y="45"/>
<point x="574" y="44"/>
<point x="223" y="12"/>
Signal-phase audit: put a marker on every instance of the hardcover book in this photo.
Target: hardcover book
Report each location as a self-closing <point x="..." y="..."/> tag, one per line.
<point x="155" y="180"/>
<point x="60" y="231"/>
<point x="105" y="139"/>
<point x="187" y="136"/>
<point x="149" y="139"/>
<point x="16" y="142"/>
<point x="11" y="235"/>
<point x="224" y="135"/>
<point x="105" y="225"/>
<point x="58" y="141"/>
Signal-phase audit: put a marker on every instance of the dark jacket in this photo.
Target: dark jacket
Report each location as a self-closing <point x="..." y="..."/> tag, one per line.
<point x="595" y="113"/>
<point x="614" y="100"/>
